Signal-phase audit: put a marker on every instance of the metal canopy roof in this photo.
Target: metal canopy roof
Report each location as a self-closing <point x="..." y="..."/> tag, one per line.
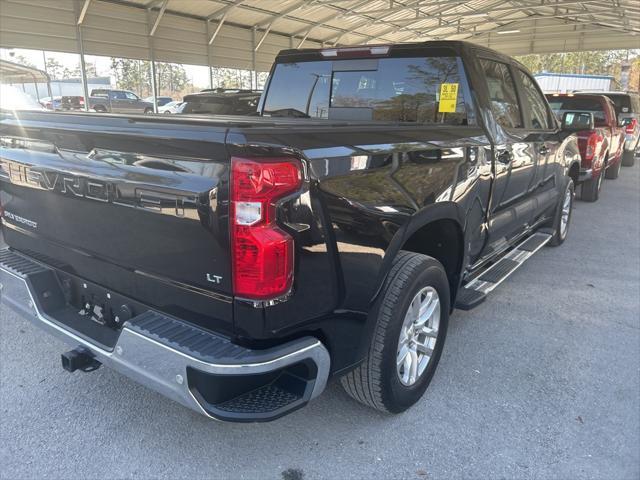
<point x="249" y="33"/>
<point x="15" y="73"/>
<point x="515" y="27"/>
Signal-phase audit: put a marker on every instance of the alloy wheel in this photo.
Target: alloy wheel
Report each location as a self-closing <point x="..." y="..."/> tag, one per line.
<point x="418" y="336"/>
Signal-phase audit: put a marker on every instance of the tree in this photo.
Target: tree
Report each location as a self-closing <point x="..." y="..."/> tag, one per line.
<point x="172" y="78"/>
<point x="21" y="59"/>
<point x="594" y="63"/>
<point x="55" y="69"/>
<point x="134" y="75"/>
<point x="230" y="78"/>
<point x="89" y="67"/>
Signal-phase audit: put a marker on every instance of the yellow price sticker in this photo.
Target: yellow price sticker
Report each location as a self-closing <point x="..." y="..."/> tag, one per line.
<point x="448" y="97"/>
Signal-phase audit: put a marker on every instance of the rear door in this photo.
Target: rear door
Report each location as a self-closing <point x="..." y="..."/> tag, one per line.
<point x="134" y="103"/>
<point x="515" y="158"/>
<point x="119" y="102"/>
<point x="541" y="132"/>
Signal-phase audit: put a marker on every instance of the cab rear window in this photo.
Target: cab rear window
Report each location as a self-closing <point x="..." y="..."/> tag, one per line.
<point x="387" y="89"/>
<point x="218" y="106"/>
<point x="559" y="105"/>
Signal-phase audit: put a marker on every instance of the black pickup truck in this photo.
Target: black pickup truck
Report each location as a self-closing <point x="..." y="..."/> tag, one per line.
<point x="235" y="264"/>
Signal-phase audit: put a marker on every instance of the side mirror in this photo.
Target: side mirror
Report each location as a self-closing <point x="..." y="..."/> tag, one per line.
<point x="576" y="121"/>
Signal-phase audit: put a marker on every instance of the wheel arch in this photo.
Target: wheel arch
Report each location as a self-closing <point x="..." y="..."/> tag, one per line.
<point x="573" y="171"/>
<point x="436" y="231"/>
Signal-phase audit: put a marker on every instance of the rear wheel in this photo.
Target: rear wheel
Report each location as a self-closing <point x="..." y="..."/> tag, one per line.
<point x="148" y="110"/>
<point x="562" y="219"/>
<point x="628" y="158"/>
<point x="590" y="190"/>
<point x="411" y="325"/>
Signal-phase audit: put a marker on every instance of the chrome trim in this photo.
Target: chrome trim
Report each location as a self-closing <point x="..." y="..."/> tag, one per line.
<point x="519" y="256"/>
<point x="152" y="363"/>
<point x="266" y="303"/>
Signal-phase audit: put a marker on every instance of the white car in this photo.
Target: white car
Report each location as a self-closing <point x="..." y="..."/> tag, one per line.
<point x="171" y="107"/>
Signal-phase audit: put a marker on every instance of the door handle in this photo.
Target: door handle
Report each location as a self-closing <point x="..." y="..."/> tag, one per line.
<point x="543" y="150"/>
<point x="504" y="156"/>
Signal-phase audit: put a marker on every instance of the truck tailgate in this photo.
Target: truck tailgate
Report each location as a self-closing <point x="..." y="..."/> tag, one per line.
<point x="134" y="205"/>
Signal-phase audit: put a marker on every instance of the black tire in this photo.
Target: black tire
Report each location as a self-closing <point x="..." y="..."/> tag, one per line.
<point x="375" y="382"/>
<point x="100" y="108"/>
<point x="148" y="110"/>
<point x="628" y="158"/>
<point x="613" y="171"/>
<point x="590" y="190"/>
<point x="560" y="235"/>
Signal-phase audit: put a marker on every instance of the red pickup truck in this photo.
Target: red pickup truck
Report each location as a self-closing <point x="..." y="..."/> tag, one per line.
<point x="601" y="147"/>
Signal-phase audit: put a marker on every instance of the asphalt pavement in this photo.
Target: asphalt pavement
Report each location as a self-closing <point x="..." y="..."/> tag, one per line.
<point x="541" y="381"/>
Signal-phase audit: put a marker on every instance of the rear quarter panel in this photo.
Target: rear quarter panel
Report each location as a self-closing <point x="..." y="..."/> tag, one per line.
<point x="369" y="187"/>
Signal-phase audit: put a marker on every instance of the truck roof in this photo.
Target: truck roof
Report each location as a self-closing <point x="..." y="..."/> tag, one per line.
<point x="458" y="46"/>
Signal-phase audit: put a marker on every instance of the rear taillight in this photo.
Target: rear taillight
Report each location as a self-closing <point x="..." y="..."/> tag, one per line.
<point x="262" y="252"/>
<point x="592" y="142"/>
<point x="631" y="126"/>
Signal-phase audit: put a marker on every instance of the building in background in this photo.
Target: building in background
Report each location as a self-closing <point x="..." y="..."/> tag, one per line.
<point x="569" y="82"/>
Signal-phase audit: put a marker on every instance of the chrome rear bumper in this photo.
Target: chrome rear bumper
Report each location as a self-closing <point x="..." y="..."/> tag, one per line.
<point x="183" y="362"/>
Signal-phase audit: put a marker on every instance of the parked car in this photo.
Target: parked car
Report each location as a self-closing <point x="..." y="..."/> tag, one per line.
<point x="72" y="102"/>
<point x="235" y="263"/>
<point x="50" y="103"/>
<point x="215" y="103"/>
<point x="171" y="107"/>
<point x="162" y="101"/>
<point x="118" y="101"/>
<point x="601" y="148"/>
<point x="627" y="106"/>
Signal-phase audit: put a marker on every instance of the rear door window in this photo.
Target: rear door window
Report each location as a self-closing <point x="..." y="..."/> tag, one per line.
<point x="246" y="105"/>
<point x="502" y="93"/>
<point x="622" y="103"/>
<point x="117" y="95"/>
<point x="538" y="112"/>
<point x="385" y="89"/>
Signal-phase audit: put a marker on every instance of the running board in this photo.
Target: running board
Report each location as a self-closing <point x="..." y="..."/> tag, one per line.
<point x="475" y="292"/>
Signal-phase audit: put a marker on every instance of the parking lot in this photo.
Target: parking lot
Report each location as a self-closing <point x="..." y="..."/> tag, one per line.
<point x="541" y="381"/>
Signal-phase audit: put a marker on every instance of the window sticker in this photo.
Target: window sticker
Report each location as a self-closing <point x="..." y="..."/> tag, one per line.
<point x="448" y="97"/>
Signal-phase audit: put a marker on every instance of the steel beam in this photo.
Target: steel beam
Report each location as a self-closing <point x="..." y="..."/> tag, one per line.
<point x="158" y="18"/>
<point x="152" y="62"/>
<point x="209" y="61"/>
<point x="83" y="67"/>
<point x="83" y="11"/>
<point x="254" y="74"/>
